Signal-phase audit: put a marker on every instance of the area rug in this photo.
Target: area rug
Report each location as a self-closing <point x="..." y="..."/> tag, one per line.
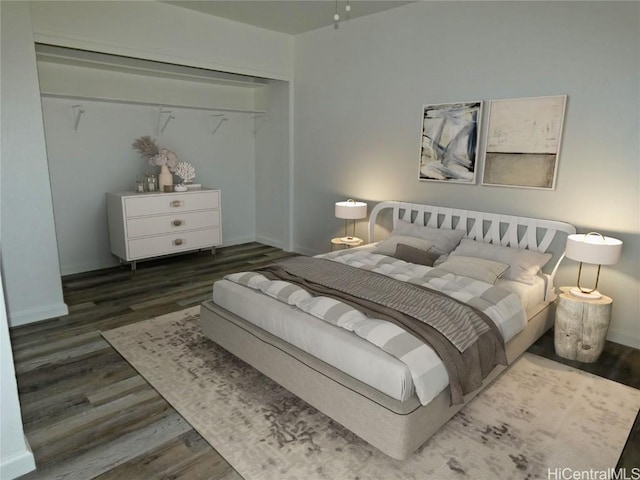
<point x="539" y="417"/>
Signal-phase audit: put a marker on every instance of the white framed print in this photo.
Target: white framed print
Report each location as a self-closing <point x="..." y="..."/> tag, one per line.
<point x="523" y="142"/>
<point x="449" y="142"/>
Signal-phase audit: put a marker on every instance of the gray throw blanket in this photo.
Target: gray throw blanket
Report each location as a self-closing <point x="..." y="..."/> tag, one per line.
<point x="466" y="340"/>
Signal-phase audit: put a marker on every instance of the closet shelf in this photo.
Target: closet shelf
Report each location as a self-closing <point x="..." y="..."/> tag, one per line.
<point x="154" y="104"/>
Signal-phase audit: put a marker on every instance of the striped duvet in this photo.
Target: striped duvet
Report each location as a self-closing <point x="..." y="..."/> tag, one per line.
<point x="498" y="304"/>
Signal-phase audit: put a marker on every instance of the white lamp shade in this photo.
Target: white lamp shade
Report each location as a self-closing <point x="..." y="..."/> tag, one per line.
<point x="594" y="249"/>
<point x="351" y="210"/>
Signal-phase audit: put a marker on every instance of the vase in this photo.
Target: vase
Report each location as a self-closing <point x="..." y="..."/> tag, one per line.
<point x="165" y="178"/>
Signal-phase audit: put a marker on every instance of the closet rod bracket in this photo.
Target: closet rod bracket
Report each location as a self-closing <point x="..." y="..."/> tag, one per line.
<point x="222" y="118"/>
<point x="170" y="116"/>
<point x="263" y="117"/>
<point x="77" y="113"/>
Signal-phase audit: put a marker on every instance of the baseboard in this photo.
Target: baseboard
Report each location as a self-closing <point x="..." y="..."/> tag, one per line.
<point x="272" y="242"/>
<point x="307" y="251"/>
<point x="87" y="267"/>
<point x="628" y="340"/>
<point x="237" y="241"/>
<point x="32" y="315"/>
<point x="17" y="464"/>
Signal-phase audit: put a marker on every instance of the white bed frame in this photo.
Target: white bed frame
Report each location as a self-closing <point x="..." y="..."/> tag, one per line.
<point x="396" y="428"/>
<point x="506" y="230"/>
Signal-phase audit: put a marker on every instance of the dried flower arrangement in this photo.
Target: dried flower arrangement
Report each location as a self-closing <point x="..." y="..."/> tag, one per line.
<point x="148" y="147"/>
<point x="186" y="172"/>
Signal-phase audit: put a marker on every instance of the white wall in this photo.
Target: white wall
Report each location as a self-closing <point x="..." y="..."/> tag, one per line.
<point x="272" y="166"/>
<point x="15" y="455"/>
<point x="359" y="91"/>
<point x="29" y="256"/>
<point x="169" y="34"/>
<point x="98" y="158"/>
<point x="100" y="149"/>
<point x="83" y="81"/>
<point x="226" y="160"/>
<point x="162" y="32"/>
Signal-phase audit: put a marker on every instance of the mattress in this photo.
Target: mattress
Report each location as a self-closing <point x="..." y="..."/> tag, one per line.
<point x="531" y="296"/>
<point x="344" y="350"/>
<point x="339" y="348"/>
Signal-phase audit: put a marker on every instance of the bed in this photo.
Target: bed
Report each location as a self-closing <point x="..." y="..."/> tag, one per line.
<point x="394" y="401"/>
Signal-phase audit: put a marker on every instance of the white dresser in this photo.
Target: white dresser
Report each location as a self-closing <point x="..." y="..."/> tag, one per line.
<point x="145" y="225"/>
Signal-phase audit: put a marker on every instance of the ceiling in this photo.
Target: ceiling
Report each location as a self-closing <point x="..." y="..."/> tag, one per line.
<point x="288" y="16"/>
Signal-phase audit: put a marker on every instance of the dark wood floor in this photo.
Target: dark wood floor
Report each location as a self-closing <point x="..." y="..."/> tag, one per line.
<point x="88" y="414"/>
<point x="86" y="411"/>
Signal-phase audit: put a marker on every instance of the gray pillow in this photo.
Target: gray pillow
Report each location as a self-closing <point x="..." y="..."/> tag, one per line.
<point x="415" y="255"/>
<point x="389" y="245"/>
<point x="478" y="268"/>
<point x="444" y="239"/>
<point x="524" y="265"/>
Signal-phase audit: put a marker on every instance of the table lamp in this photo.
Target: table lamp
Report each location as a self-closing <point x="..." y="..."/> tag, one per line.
<point x="593" y="248"/>
<point x="350" y="210"/>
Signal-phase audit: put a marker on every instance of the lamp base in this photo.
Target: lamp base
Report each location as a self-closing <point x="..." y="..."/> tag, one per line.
<point x="576" y="292"/>
<point x="348" y="240"/>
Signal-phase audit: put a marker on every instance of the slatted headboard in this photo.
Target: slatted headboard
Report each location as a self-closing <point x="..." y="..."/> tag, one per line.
<point x="506" y="230"/>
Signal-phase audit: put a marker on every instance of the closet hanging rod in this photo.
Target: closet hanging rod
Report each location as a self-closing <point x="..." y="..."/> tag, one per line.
<point x="153" y="104"/>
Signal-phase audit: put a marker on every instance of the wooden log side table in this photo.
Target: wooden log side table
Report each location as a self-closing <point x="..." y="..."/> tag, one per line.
<point x="581" y="326"/>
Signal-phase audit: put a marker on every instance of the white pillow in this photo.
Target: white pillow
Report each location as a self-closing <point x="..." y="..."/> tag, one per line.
<point x="487" y="271"/>
<point x="523" y="264"/>
<point x="444" y="239"/>
<point x="389" y="245"/>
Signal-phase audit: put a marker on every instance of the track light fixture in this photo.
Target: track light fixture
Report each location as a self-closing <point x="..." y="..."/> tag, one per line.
<point x="336" y="15"/>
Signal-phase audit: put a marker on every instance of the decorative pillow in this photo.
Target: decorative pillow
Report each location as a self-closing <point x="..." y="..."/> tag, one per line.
<point x="523" y="264"/>
<point x="415" y="255"/>
<point x="248" y="279"/>
<point x="443" y="239"/>
<point x="332" y="311"/>
<point x="389" y="245"/>
<point x="479" y="268"/>
<point x="285" y="292"/>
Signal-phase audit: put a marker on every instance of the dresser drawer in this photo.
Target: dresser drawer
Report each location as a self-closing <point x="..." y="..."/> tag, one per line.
<point x="173" y="243"/>
<point x="177" y="222"/>
<point x="147" y="225"/>
<point x="170" y="203"/>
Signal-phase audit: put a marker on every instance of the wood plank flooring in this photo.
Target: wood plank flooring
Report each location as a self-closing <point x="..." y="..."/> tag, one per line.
<point x="88" y="414"/>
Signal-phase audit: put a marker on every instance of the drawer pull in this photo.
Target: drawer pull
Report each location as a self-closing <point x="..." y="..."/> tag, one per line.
<point x="177" y="223"/>
<point x="178" y="241"/>
<point x="177" y="203"/>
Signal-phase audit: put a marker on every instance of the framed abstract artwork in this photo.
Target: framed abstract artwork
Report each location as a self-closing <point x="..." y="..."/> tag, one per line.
<point x="449" y="143"/>
<point x="523" y="142"/>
